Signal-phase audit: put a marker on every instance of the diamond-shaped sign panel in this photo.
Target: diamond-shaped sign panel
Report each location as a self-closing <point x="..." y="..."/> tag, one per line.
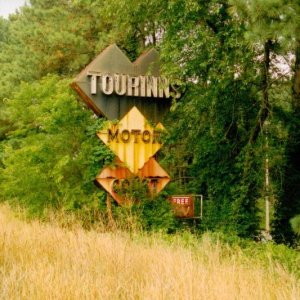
<point x="158" y="177"/>
<point x="133" y="139"/>
<point x="113" y="65"/>
<point x="110" y="176"/>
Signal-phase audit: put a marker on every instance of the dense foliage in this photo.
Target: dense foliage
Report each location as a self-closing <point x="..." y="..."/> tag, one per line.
<point x="233" y="136"/>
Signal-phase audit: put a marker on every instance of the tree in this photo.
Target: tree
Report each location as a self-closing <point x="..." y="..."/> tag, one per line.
<point x="213" y="119"/>
<point x="50" y="156"/>
<point x="233" y="118"/>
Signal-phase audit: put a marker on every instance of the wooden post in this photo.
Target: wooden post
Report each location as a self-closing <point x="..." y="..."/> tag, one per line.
<point x="267" y="182"/>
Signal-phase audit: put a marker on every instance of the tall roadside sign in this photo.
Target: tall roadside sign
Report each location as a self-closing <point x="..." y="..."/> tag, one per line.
<point x="139" y="97"/>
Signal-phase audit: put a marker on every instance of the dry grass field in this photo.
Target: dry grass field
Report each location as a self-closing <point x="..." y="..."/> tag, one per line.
<point x="46" y="261"/>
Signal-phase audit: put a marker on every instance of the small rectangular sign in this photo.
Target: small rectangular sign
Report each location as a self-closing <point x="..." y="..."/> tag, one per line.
<point x="183" y="206"/>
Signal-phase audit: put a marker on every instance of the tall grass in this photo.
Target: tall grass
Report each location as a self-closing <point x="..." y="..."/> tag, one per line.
<point x="46" y="261"/>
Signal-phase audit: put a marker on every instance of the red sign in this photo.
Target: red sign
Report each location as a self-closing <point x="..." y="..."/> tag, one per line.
<point x="183" y="206"/>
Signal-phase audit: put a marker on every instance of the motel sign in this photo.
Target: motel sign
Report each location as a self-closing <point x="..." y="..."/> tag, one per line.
<point x="136" y="95"/>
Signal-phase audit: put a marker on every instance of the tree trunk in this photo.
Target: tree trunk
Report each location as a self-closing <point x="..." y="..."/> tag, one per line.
<point x="264" y="110"/>
<point x="296" y="84"/>
<point x="265" y="106"/>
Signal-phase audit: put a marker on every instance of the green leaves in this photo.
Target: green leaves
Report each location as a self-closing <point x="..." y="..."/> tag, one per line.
<point x="48" y="156"/>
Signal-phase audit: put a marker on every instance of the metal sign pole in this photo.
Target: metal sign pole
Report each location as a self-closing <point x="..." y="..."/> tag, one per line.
<point x="201" y="204"/>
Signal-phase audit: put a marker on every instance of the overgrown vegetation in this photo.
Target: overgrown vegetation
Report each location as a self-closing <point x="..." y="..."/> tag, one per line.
<point x="238" y="63"/>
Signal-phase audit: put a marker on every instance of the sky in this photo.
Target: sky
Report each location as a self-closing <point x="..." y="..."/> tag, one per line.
<point x="9" y="6"/>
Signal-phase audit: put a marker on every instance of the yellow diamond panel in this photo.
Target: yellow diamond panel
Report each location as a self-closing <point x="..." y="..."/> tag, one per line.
<point x="133" y="139"/>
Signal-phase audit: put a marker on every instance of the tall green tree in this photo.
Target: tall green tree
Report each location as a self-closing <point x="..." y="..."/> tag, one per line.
<point x="51" y="155"/>
<point x="218" y="110"/>
<point x="232" y="120"/>
<point x="44" y="132"/>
